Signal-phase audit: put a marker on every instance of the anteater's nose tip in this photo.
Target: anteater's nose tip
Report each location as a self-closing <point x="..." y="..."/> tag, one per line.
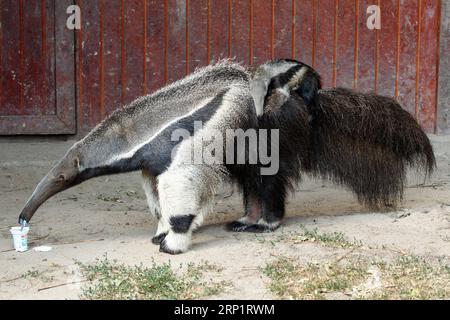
<point x="23" y="221"/>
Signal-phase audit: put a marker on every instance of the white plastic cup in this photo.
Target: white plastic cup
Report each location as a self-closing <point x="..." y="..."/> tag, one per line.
<point x="20" y="238"/>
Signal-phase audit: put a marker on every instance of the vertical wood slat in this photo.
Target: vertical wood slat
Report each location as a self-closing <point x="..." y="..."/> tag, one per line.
<point x="304" y="30"/>
<point x="65" y="122"/>
<point x="262" y="31"/>
<point x="407" y="55"/>
<point x="325" y="41"/>
<point x="428" y="62"/>
<point x="345" y="51"/>
<point x="38" y="66"/>
<point x="134" y="50"/>
<point x="31" y="50"/>
<point x="367" y="48"/>
<point x="198" y="34"/>
<point x="282" y="46"/>
<point x="89" y="71"/>
<point x="112" y="86"/>
<point x="387" y="70"/>
<point x="11" y="57"/>
<point x="155" y="44"/>
<point x="240" y="30"/>
<point x="176" y="40"/>
<point x="443" y="114"/>
<point x="218" y="29"/>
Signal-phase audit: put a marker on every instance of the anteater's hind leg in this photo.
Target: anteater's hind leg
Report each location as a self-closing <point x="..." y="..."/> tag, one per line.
<point x="273" y="195"/>
<point x="252" y="209"/>
<point x="150" y="186"/>
<point x="264" y="206"/>
<point x="185" y="192"/>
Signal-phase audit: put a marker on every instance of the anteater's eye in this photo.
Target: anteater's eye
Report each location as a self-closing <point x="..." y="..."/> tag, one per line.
<point x="62" y="177"/>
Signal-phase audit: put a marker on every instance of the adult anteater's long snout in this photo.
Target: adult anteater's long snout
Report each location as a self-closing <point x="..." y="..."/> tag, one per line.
<point x="59" y="178"/>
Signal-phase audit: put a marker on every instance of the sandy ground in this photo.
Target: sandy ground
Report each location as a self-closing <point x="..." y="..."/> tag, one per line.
<point x="108" y="215"/>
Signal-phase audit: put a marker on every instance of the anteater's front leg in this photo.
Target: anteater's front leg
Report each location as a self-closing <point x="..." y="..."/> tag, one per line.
<point x="185" y="192"/>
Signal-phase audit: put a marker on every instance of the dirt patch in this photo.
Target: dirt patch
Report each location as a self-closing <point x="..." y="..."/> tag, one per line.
<point x="108" y="215"/>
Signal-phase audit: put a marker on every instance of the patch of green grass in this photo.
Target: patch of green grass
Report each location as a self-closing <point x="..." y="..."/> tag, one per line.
<point x="111" y="280"/>
<point x="333" y="240"/>
<point x="311" y="281"/>
<point x="412" y="277"/>
<point x="35" y="274"/>
<point x="407" y="277"/>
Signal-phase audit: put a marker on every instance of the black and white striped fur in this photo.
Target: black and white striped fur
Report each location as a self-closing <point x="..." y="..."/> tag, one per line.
<point x="138" y="137"/>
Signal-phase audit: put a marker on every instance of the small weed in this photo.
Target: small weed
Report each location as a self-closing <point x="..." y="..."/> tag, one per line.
<point x="333" y="240"/>
<point x="31" y="274"/>
<point x="35" y="274"/>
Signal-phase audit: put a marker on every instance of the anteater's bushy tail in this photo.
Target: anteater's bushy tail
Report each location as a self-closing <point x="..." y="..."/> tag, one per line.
<point x="366" y="142"/>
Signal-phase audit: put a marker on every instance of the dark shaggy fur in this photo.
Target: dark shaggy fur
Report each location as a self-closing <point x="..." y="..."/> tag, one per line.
<point x="366" y="142"/>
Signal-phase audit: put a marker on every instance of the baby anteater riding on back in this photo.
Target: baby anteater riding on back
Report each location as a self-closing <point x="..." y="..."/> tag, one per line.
<point x="361" y="141"/>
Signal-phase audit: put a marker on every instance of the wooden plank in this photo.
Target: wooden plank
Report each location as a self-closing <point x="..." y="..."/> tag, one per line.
<point x="12" y="73"/>
<point x="111" y="51"/>
<point x="443" y="116"/>
<point x="155" y="44"/>
<point x="282" y="45"/>
<point x="176" y="40"/>
<point x="47" y="57"/>
<point x="1" y="58"/>
<point x="89" y="44"/>
<point x="387" y="64"/>
<point x="198" y="34"/>
<point x="428" y="62"/>
<point x="133" y="73"/>
<point x="65" y="71"/>
<point x="346" y="40"/>
<point x="34" y="125"/>
<point x="305" y="31"/>
<point x="39" y="91"/>
<point x="262" y="31"/>
<point x="407" y="55"/>
<point x="240" y="36"/>
<point x="367" y="50"/>
<point x="219" y="29"/>
<point x="324" y="63"/>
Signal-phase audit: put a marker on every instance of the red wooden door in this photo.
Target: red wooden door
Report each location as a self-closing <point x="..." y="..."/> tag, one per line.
<point x="37" y="87"/>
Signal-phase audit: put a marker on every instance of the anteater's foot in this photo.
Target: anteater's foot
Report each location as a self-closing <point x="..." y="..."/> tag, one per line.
<point x="258" y="227"/>
<point x="175" y="243"/>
